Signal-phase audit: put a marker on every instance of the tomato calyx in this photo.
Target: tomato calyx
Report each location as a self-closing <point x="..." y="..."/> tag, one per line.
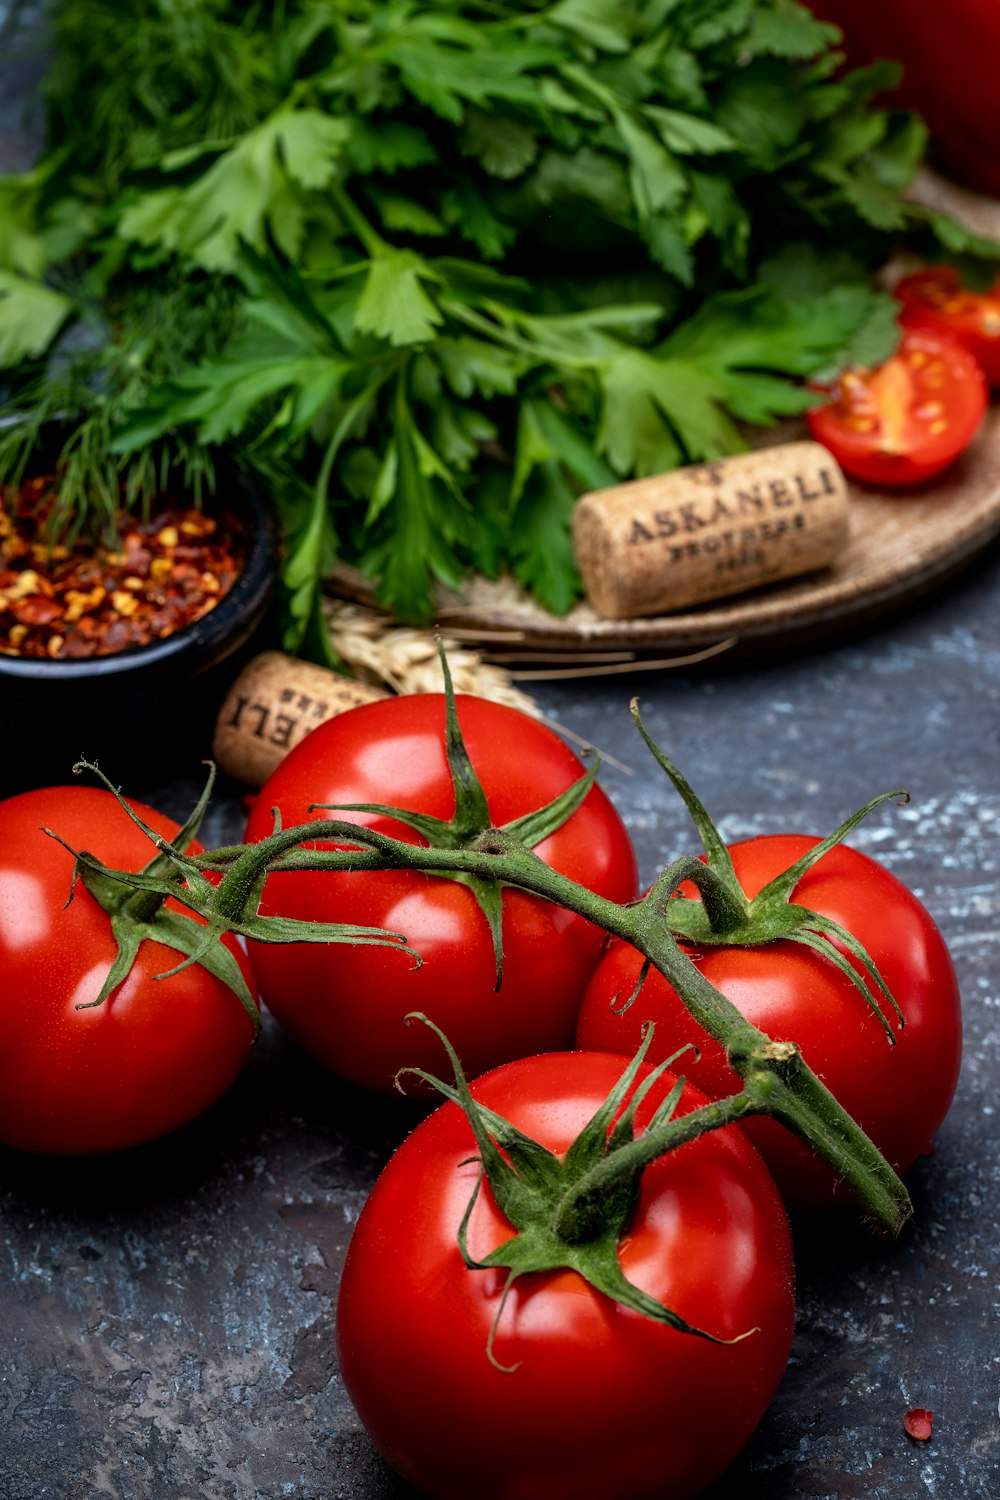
<point x="570" y="1212"/>
<point x="722" y="915"/>
<point x="776" y="1079"/>
<point x="135" y="902"/>
<point x="138" y="914"/>
<point x="471" y="826"/>
<point x="224" y="887"/>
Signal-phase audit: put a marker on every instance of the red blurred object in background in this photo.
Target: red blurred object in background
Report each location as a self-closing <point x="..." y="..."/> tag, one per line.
<point x="951" y="58"/>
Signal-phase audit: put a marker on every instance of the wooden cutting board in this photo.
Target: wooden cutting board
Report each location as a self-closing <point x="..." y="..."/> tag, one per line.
<point x="899" y="547"/>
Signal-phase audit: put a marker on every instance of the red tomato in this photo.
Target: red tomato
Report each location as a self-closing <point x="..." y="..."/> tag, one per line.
<point x="347" y="1005"/>
<point x="154" y="1054"/>
<point x="935" y="298"/>
<point x="904" y="421"/>
<point x="898" y="1094"/>
<point x="604" y="1404"/>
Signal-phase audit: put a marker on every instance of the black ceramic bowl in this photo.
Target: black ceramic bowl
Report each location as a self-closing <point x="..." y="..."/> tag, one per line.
<point x="147" y="712"/>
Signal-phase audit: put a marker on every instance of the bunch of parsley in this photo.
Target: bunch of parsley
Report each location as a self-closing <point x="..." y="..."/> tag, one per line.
<point x="435" y="269"/>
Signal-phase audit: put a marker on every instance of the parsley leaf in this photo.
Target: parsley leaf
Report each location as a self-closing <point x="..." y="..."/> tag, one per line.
<point x="254" y="188"/>
<point x="394" y="304"/>
<point x="31" y="314"/>
<point x="433" y="271"/>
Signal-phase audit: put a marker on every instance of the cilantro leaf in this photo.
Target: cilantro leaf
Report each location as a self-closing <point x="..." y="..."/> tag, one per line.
<point x="435" y="269"/>
<point x="541" y="549"/>
<point x="394" y="304"/>
<point x="388" y="145"/>
<point x="504" y="148"/>
<point x="553" y="463"/>
<point x="31" y="314"/>
<point x="423" y="516"/>
<point x="603" y="23"/>
<point x="687" y="133"/>
<point x="789" y="30"/>
<point x="253" y="189"/>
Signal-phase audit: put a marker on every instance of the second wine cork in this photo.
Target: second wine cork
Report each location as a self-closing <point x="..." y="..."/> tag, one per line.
<point x="273" y="704"/>
<point x="698" y="533"/>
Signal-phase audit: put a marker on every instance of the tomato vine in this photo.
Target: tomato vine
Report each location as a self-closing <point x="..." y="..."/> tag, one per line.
<point x="224" y="888"/>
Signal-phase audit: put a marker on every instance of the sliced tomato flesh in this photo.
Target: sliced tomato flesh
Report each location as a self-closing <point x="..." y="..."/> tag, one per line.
<point x="902" y="422"/>
<point x="936" y="298"/>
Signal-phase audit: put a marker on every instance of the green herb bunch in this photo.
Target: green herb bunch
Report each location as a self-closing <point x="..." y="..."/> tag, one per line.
<point x="435" y="269"/>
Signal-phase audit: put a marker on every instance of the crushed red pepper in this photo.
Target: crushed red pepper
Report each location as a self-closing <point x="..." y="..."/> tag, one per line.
<point x="67" y="602"/>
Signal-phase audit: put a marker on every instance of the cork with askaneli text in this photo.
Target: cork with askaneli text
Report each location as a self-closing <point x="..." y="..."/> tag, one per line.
<point x="656" y="545"/>
<point x="273" y="704"/>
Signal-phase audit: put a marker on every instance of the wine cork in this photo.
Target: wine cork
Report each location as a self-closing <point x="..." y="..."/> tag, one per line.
<point x="658" y="544"/>
<point x="273" y="704"/>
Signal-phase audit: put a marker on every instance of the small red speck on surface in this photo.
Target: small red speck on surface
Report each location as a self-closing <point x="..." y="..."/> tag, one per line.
<point x="918" y="1423"/>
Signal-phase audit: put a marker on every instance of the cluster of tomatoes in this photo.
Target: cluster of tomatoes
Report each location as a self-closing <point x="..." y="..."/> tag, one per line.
<point x="899" y="424"/>
<point x="644" y="1410"/>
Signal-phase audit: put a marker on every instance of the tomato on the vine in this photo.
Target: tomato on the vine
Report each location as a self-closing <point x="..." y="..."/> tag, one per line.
<point x="584" y="1399"/>
<point x="936" y="298"/>
<point x="906" y="420"/>
<point x="348" y="1005"/>
<point x="898" y="1094"/>
<point x="78" y="1078"/>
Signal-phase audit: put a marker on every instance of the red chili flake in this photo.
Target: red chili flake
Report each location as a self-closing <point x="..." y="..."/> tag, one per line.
<point x="917" y="1424"/>
<point x="36" y="609"/>
<point x="59" y="601"/>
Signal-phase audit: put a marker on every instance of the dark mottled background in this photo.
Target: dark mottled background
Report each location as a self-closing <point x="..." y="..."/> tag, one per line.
<point x="166" y="1317"/>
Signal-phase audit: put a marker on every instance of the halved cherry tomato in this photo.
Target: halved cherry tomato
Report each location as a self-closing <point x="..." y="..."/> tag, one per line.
<point x="904" y="421"/>
<point x="935" y="298"/>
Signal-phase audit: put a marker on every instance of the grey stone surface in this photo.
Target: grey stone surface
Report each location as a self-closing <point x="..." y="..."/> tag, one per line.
<point x="166" y="1316"/>
<point x="22" y="65"/>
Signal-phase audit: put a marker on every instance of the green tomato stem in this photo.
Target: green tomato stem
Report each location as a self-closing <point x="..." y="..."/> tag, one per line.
<point x="776" y="1079"/>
